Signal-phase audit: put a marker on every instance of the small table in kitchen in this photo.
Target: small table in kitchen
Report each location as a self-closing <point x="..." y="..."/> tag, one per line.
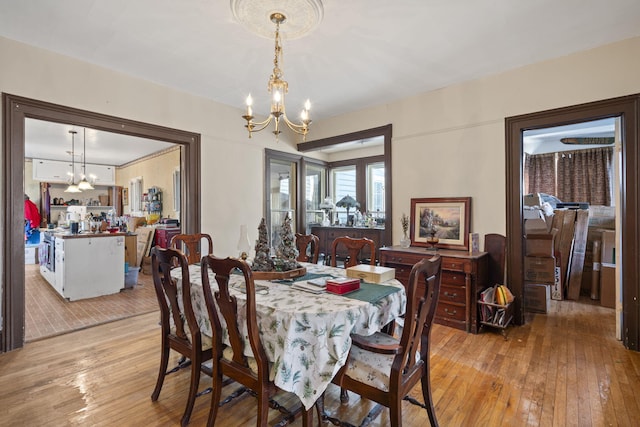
<point x="308" y="334"/>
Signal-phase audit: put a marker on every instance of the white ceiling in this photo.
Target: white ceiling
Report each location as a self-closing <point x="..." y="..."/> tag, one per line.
<point x="363" y="53"/>
<point x="52" y="141"/>
<point x="547" y="140"/>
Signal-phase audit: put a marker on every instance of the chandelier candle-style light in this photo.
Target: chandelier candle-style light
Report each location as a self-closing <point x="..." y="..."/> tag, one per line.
<point x="278" y="88"/>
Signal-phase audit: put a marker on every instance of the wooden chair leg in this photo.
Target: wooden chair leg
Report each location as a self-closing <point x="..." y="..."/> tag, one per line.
<point x="193" y="391"/>
<point x="344" y="395"/>
<point x="263" y="410"/>
<point x="164" y="362"/>
<point x="215" y="398"/>
<point x="428" y="400"/>
<point x="307" y="417"/>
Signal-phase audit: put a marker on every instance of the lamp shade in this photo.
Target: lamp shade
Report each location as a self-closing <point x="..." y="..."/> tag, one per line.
<point x="73" y="188"/>
<point x="85" y="185"/>
<point x="347" y="202"/>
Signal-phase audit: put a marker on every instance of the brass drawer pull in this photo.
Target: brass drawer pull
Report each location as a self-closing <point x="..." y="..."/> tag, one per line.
<point x="452" y="313"/>
<point x="453" y="295"/>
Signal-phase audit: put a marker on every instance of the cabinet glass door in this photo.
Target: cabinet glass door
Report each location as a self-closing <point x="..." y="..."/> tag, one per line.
<point x="282" y="196"/>
<point x="314" y="194"/>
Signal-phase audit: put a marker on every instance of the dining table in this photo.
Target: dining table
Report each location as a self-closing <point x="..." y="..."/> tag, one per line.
<point x="306" y="335"/>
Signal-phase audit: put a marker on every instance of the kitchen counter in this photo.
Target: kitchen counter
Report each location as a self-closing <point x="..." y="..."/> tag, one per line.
<point x="68" y="235"/>
<point x="86" y="265"/>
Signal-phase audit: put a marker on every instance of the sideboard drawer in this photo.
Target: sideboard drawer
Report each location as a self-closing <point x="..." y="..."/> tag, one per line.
<point x="453" y="278"/>
<point x="450" y="311"/>
<point x="402" y="271"/>
<point x="454" y="264"/>
<point x="452" y="294"/>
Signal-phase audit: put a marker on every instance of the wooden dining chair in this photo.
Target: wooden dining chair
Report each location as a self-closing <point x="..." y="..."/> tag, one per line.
<point x="308" y="246"/>
<point x="180" y="331"/>
<point x="230" y="360"/>
<point x="354" y="247"/>
<point x="385" y="369"/>
<point x="191" y="245"/>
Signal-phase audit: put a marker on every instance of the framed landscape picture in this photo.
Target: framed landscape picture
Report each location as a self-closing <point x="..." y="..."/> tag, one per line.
<point x="446" y="218"/>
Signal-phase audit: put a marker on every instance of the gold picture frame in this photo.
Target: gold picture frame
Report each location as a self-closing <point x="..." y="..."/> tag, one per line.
<point x="449" y="217"/>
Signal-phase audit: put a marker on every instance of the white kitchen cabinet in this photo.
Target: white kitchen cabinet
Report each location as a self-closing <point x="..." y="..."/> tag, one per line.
<point x="101" y="174"/>
<point x="56" y="171"/>
<point x="51" y="171"/>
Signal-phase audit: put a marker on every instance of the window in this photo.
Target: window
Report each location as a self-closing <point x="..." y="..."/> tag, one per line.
<point x="364" y="180"/>
<point x="343" y="183"/>
<point x="375" y="189"/>
<point x="315" y="191"/>
<point x="136" y="195"/>
<point x="176" y="190"/>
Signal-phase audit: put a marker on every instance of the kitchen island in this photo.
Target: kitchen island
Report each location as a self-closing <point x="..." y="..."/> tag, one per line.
<point x="86" y="265"/>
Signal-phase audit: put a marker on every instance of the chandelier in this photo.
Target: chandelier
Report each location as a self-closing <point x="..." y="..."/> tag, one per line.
<point x="73" y="188"/>
<point x="278" y="88"/>
<point x="84" y="184"/>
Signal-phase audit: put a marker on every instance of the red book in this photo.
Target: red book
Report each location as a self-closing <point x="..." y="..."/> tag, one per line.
<point x="342" y="285"/>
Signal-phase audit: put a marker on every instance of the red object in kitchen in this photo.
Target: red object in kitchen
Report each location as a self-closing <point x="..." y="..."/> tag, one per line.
<point x="342" y="285"/>
<point x="164" y="236"/>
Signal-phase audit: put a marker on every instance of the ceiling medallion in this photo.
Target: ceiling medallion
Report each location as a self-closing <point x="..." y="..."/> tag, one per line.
<point x="303" y="16"/>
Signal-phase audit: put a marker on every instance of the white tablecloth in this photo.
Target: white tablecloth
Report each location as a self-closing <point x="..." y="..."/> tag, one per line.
<point x="306" y="336"/>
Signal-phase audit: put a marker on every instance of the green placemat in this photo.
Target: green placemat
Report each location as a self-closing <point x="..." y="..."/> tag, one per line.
<point x="307" y="276"/>
<point x="368" y="292"/>
<point x="371" y="292"/>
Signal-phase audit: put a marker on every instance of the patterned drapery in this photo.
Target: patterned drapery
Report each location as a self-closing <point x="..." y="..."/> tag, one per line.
<point x="572" y="176"/>
<point x="540" y="173"/>
<point x="585" y="176"/>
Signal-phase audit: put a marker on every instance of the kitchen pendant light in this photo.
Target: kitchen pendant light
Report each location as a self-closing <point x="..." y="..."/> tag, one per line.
<point x="73" y="188"/>
<point x="84" y="184"/>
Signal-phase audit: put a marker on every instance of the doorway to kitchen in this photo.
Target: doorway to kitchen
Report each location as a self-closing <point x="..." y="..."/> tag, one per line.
<point x="16" y="110"/>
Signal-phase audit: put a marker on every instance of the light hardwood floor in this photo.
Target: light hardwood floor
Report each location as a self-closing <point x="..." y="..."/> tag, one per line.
<point x="561" y="369"/>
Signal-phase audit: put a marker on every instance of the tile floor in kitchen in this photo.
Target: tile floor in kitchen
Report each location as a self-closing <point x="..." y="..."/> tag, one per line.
<point x="48" y="314"/>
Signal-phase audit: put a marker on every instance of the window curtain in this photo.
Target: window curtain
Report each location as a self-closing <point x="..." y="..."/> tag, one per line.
<point x="585" y="176"/>
<point x="540" y="173"/>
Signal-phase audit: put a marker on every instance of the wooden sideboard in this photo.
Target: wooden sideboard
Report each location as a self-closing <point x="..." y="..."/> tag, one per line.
<point x="464" y="276"/>
<point x="328" y="234"/>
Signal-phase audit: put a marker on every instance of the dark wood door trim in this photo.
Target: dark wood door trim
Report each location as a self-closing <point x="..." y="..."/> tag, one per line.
<point x="626" y="107"/>
<point x="15" y="110"/>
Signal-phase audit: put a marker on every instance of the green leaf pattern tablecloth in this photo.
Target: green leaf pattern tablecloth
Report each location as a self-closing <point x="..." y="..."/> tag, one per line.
<point x="306" y="336"/>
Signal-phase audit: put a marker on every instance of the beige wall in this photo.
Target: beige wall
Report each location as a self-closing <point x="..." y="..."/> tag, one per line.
<point x="451" y="142"/>
<point x="448" y="142"/>
<point x="156" y="171"/>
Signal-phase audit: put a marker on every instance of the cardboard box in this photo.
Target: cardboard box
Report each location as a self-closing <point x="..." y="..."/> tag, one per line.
<point x="536" y="297"/>
<point x="532" y="200"/>
<point x="540" y="269"/>
<point x="556" y="289"/>
<point x="146" y="265"/>
<point x="539" y="225"/>
<point x="529" y="212"/>
<point x="371" y="273"/>
<point x="608" y="248"/>
<point x="539" y="244"/>
<point x="608" y="285"/>
<point x="342" y="285"/>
